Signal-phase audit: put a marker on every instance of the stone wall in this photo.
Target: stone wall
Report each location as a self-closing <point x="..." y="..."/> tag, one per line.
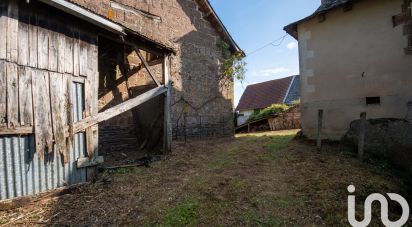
<point x="198" y="89"/>
<point x="287" y="120"/>
<point x="389" y="139"/>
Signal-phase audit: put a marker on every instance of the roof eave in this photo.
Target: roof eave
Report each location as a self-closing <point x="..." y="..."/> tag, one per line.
<point x="292" y="29"/>
<point x="212" y="13"/>
<point x="86" y="15"/>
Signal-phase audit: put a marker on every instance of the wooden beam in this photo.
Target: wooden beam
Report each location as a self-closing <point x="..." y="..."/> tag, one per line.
<point x="361" y="135"/>
<point x="16" y="131"/>
<point x="86" y="15"/>
<point x="167" y="133"/>
<point x="156" y="61"/>
<point x="146" y="65"/>
<point x="319" y="136"/>
<point x="88" y="162"/>
<point x="117" y="110"/>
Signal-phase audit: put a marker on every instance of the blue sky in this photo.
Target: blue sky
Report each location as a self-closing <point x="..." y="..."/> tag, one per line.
<point x="254" y="23"/>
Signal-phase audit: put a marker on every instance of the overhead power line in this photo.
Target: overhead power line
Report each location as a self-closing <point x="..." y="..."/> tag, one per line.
<point x="274" y="43"/>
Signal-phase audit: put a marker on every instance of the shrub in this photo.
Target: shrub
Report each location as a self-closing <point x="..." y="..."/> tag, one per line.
<point x="273" y="109"/>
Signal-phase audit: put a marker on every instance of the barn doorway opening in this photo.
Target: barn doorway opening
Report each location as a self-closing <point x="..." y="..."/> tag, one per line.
<point x="127" y="72"/>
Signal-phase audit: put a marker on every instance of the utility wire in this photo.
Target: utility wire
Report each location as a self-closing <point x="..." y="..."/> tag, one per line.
<point x="273" y="43"/>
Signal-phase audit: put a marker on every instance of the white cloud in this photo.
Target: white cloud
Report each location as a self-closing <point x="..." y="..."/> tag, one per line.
<point x="274" y="71"/>
<point x="292" y="45"/>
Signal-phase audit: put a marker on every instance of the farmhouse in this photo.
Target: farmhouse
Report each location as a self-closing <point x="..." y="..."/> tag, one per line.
<point x="259" y="96"/>
<point x="80" y="79"/>
<point x="355" y="57"/>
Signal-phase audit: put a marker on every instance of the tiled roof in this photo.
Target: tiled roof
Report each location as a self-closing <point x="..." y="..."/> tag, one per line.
<point x="326" y="6"/>
<point x="294" y="91"/>
<point x="262" y="95"/>
<point x="330" y="4"/>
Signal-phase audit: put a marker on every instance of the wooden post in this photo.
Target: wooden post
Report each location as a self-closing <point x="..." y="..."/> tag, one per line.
<point x="167" y="143"/>
<point x="361" y="138"/>
<point x="200" y="127"/>
<point x="319" y="138"/>
<point x="184" y="127"/>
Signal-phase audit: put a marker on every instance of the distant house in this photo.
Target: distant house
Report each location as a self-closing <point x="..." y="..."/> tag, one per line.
<point x="355" y="56"/>
<point x="262" y="95"/>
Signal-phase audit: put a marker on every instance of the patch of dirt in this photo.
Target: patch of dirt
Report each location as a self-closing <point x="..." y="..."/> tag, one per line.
<point x="264" y="179"/>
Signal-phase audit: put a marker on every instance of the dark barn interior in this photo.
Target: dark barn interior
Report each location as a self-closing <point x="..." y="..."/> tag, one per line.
<point x="137" y="133"/>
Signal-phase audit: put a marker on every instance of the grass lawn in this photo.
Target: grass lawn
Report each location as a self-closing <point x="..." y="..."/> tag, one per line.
<point x="264" y="179"/>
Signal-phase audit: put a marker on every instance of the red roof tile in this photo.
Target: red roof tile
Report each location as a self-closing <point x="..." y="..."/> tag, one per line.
<point x="262" y="95"/>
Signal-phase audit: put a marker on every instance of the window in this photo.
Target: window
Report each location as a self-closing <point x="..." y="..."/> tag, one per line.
<point x="373" y="100"/>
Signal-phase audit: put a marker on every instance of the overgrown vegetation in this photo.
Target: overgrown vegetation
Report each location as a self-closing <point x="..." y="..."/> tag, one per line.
<point x="233" y="66"/>
<point x="184" y="214"/>
<point x="273" y="109"/>
<point x="258" y="179"/>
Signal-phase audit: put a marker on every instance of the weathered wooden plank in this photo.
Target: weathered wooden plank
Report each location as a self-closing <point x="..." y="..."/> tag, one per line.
<point x="3" y="92"/>
<point x="76" y="53"/>
<point x="43" y="45"/>
<point x="90" y="142"/>
<point x="53" y="51"/>
<point x="89" y="162"/>
<point x="57" y="98"/>
<point x="83" y="57"/>
<point x="33" y="44"/>
<point x="319" y="135"/>
<point x="119" y="109"/>
<point x="93" y="56"/>
<point x="12" y="96"/>
<point x="25" y="96"/>
<point x="87" y="112"/>
<point x="42" y="112"/>
<point x="77" y="79"/>
<point x="13" y="31"/>
<point x="3" y="24"/>
<point x="16" y="131"/>
<point x="69" y="109"/>
<point x="361" y="136"/>
<point x="23" y="39"/>
<point x="68" y="60"/>
<point x="61" y="46"/>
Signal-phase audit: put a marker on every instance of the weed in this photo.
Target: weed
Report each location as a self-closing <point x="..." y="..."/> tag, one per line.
<point x="278" y="143"/>
<point x="222" y="161"/>
<point x="184" y="214"/>
<point x="255" y="220"/>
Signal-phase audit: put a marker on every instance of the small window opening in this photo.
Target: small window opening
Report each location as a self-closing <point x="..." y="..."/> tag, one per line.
<point x="373" y="100"/>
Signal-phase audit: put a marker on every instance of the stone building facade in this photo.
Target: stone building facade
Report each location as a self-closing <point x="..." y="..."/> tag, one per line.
<point x="202" y="101"/>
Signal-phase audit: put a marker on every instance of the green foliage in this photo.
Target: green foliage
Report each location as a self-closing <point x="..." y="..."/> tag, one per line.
<point x="278" y="143"/>
<point x="233" y="66"/>
<point x="296" y="102"/>
<point x="184" y="214"/>
<point x="273" y="109"/>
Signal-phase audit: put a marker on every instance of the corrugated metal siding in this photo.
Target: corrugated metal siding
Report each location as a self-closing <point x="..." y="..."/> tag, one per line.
<point x="22" y="172"/>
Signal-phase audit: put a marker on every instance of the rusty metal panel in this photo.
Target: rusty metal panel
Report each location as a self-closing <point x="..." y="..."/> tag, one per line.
<point x="22" y="172"/>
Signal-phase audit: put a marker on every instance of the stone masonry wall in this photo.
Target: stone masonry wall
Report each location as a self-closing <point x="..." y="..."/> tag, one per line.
<point x="287" y="120"/>
<point x="198" y="92"/>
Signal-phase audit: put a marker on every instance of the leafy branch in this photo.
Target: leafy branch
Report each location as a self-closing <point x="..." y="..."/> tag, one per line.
<point x="233" y="66"/>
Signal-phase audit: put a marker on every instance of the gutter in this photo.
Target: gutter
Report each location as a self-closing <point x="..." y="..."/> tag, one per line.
<point x="86" y="15"/>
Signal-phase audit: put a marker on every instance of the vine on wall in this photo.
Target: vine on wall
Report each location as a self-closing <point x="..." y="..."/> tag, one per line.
<point x="233" y="66"/>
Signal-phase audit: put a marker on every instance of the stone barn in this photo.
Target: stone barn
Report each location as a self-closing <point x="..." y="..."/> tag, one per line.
<point x="82" y="79"/>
